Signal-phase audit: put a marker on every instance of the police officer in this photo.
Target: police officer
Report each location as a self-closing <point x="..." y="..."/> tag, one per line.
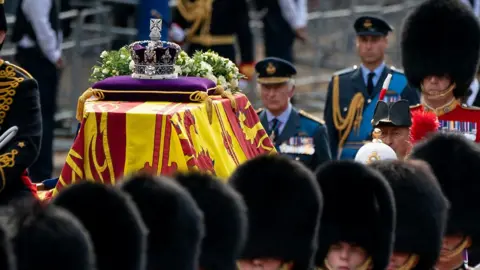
<point x="19" y="109"/>
<point x="353" y="92"/>
<point x="454" y="160"/>
<point x="358" y="220"/>
<point x="394" y="121"/>
<point x="294" y="132"/>
<point x="422" y="211"/>
<point x="215" y="25"/>
<point x="284" y="205"/>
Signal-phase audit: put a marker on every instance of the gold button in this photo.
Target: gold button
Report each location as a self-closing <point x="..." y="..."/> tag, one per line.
<point x="345" y="109"/>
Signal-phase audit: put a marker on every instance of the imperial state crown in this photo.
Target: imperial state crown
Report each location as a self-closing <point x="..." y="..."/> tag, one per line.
<point x="154" y="59"/>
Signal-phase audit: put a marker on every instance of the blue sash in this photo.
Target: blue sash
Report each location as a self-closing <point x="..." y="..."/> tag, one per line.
<point x="357" y="137"/>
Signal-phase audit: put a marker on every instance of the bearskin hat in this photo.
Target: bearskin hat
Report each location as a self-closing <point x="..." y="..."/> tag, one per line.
<point x="284" y="205"/>
<point x="453" y="159"/>
<point x="172" y="217"/>
<point x="225" y="216"/>
<point x="359" y="208"/>
<point x="7" y="257"/>
<point x="422" y="209"/>
<point x="40" y="231"/>
<point x="441" y="37"/>
<point x="115" y="226"/>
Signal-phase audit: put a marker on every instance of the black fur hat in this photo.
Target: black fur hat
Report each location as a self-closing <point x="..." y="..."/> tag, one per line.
<point x="115" y="226"/>
<point x="7" y="256"/>
<point x="225" y="216"/>
<point x="284" y="205"/>
<point x="359" y="208"/>
<point x="40" y="232"/>
<point x="441" y="37"/>
<point x="173" y="218"/>
<point x="422" y="209"/>
<point x="454" y="159"/>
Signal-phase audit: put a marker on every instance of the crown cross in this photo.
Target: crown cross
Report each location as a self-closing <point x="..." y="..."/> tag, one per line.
<point x="155" y="29"/>
<point x="154" y="59"/>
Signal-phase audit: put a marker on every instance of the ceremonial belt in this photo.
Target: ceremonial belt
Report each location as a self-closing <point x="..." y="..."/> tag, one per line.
<point x="208" y="40"/>
<point x="354" y="145"/>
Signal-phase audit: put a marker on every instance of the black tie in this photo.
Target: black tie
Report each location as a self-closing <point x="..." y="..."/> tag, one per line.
<point x="274" y="130"/>
<point x="370" y="83"/>
<point x="472" y="2"/>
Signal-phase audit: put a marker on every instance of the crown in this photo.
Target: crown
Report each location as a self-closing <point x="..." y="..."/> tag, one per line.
<point x="154" y="59"/>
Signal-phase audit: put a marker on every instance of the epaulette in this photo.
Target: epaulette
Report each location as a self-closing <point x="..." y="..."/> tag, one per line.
<point x="415" y="106"/>
<point x="345" y="71"/>
<point x="19" y="70"/>
<point x="259" y="110"/>
<point x="311" y="117"/>
<point x="397" y="70"/>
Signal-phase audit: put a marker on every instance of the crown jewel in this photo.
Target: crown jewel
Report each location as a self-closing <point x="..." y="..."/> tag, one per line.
<point x="154" y="59"/>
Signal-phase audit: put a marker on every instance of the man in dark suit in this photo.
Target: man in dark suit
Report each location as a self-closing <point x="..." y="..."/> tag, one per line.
<point x="354" y="92"/>
<point x="294" y="133"/>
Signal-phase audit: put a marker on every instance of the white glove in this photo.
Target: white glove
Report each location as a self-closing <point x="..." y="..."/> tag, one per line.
<point x="177" y="34"/>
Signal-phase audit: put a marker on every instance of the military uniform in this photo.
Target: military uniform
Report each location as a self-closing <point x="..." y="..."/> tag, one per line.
<point x="19" y="107"/>
<point x="284" y="205"/>
<point x="359" y="208"/>
<point x="213" y="25"/>
<point x="350" y="105"/>
<point x="444" y="50"/>
<point x="298" y="135"/>
<point x="416" y="191"/>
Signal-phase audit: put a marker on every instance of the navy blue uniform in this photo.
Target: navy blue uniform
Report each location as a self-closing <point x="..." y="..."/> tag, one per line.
<point x="349" y="109"/>
<point x="304" y="138"/>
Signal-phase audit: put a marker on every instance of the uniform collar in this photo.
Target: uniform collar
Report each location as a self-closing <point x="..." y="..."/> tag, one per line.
<point x="378" y="71"/>
<point x="450" y="106"/>
<point x="283" y="117"/>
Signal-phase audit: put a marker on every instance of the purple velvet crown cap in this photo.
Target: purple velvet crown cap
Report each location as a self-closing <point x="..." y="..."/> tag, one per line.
<point x="181" y="84"/>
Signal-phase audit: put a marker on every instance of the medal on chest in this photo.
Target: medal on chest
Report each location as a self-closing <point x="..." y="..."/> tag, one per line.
<point x="469" y="129"/>
<point x="298" y="145"/>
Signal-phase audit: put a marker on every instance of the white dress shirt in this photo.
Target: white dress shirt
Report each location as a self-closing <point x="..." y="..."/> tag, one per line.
<point x="295" y="12"/>
<point x="282" y="118"/>
<point x="37" y="13"/>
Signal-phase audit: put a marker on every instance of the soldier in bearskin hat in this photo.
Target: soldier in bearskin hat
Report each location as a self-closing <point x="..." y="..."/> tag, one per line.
<point x="358" y="218"/>
<point x="440" y="46"/>
<point x="47" y="237"/>
<point x="453" y="159"/>
<point x="422" y="211"/>
<point x="225" y="216"/>
<point x="173" y="218"/>
<point x="284" y="205"/>
<point x="111" y="218"/>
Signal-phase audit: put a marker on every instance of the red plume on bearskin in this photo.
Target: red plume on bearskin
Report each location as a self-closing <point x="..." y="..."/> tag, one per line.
<point x="423" y="123"/>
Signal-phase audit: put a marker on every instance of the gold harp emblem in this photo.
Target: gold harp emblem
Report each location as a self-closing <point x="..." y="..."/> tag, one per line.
<point x="271" y="69"/>
<point x="367" y="24"/>
<point x="373" y="157"/>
